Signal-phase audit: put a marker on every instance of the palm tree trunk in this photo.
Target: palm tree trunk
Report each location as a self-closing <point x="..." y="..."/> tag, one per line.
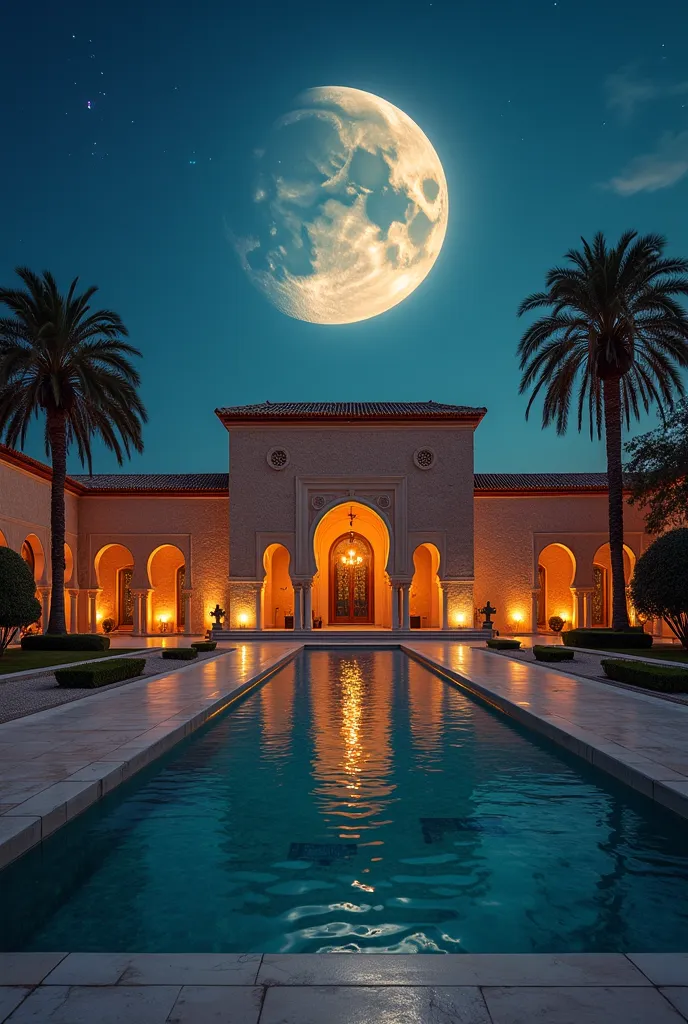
<point x="612" y="430"/>
<point x="57" y="436"/>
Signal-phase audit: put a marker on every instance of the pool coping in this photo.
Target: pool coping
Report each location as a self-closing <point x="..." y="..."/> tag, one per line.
<point x="31" y="821"/>
<point x="648" y="777"/>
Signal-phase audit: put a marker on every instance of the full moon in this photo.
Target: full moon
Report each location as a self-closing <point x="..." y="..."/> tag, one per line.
<point x="348" y="210"/>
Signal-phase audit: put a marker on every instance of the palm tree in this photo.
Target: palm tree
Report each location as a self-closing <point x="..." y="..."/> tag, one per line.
<point x="61" y="360"/>
<point x="614" y="338"/>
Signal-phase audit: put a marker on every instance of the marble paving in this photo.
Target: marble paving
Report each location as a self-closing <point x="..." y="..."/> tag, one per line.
<point x="56" y="763"/>
<point x="636" y="737"/>
<point x="111" y="988"/>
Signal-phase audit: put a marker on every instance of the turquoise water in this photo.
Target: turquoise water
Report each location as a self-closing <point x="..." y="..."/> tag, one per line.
<point x="357" y="802"/>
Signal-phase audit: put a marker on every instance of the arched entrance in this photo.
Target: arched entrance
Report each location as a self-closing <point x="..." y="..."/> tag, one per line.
<point x="114" y="569"/>
<point x="602" y="595"/>
<point x="352" y="596"/>
<point x="556" y="571"/>
<point x="278" y="592"/>
<point x="425" y="588"/>
<point x="167" y="576"/>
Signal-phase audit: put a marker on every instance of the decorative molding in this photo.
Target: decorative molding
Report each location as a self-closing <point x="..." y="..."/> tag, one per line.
<point x="278" y="458"/>
<point x="424" y="458"/>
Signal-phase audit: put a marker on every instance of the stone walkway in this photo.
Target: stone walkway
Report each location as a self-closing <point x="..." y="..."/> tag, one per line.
<point x="110" y="988"/>
<point x="54" y="764"/>
<point x="635" y="737"/>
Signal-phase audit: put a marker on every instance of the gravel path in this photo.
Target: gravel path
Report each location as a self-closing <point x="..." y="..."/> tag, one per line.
<point x="589" y="666"/>
<point x="24" y="696"/>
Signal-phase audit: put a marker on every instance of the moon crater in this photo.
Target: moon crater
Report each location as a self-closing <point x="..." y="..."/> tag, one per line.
<point x="349" y="208"/>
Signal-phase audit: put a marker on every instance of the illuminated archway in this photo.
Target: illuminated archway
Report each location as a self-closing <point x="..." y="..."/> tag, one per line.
<point x="166" y="568"/>
<point x="602" y="595"/>
<point x="3" y="540"/>
<point x="278" y="592"/>
<point x="34" y="556"/>
<point x="556" y="572"/>
<point x="69" y="572"/>
<point x="334" y="525"/>
<point x="114" y="569"/>
<point x="425" y="587"/>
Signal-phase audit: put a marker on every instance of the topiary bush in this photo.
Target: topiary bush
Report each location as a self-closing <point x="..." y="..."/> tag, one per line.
<point x="502" y="644"/>
<point x="65" y="642"/>
<point x="19" y="605"/>
<point x="100" y="673"/>
<point x="603" y="639"/>
<point x="180" y="653"/>
<point x="667" y="678"/>
<point x="555" y="623"/>
<point x="659" y="588"/>
<point x="543" y="652"/>
<point x="204" y="645"/>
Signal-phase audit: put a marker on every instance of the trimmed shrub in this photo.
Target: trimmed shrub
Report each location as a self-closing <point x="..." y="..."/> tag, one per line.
<point x="604" y="639"/>
<point x="659" y="588"/>
<point x="180" y="653"/>
<point x="99" y="673"/>
<point x="19" y="605"/>
<point x="204" y="645"/>
<point x="502" y="644"/>
<point x="555" y="623"/>
<point x="108" y="625"/>
<point x="66" y="642"/>
<point x="667" y="678"/>
<point x="544" y="653"/>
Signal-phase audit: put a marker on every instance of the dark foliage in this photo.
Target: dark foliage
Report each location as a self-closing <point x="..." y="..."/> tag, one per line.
<point x="503" y="644"/>
<point x="605" y="639"/>
<point x="204" y="645"/>
<point x="180" y="653"/>
<point x="66" y="642"/>
<point x="659" y="588"/>
<point x="87" y="677"/>
<point x="658" y="472"/>
<point x="19" y="605"/>
<point x="668" y="678"/>
<point x="543" y="652"/>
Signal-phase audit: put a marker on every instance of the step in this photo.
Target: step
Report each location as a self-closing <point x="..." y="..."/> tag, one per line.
<point x="328" y="637"/>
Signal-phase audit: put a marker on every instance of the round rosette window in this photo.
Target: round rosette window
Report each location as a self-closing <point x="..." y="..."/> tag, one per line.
<point x="278" y="458"/>
<point x="424" y="458"/>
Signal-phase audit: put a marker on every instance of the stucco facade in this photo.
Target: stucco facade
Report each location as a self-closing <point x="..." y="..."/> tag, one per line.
<point x="389" y="488"/>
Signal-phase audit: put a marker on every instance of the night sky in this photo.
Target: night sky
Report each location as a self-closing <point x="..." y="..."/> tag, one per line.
<point x="128" y="128"/>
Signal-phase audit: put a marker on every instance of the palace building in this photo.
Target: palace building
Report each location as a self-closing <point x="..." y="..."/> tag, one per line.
<point x="340" y="516"/>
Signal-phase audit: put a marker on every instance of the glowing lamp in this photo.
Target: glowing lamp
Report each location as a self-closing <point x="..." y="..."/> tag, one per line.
<point x="99" y="617"/>
<point x="459" y="618"/>
<point x="518" y="618"/>
<point x="243" y="619"/>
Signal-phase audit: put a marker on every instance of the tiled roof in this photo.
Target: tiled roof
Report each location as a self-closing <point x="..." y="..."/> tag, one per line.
<point x="540" y="481"/>
<point x="350" y="411"/>
<point x="192" y="482"/>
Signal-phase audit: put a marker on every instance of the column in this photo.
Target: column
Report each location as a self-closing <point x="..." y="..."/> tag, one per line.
<point x="406" y="604"/>
<point x="147" y="624"/>
<point x="308" y="605"/>
<point x="534" y="607"/>
<point x="186" y="601"/>
<point x="587" y="608"/>
<point x="136" y="595"/>
<point x="44" y="598"/>
<point x="395" y="606"/>
<point x="298" y="620"/>
<point x="73" y="611"/>
<point x="92" y="611"/>
<point x="258" y="604"/>
<point x="446" y="624"/>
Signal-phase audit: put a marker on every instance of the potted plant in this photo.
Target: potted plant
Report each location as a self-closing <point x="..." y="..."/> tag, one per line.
<point x="108" y="625"/>
<point x="556" y="623"/>
<point x="317" y="621"/>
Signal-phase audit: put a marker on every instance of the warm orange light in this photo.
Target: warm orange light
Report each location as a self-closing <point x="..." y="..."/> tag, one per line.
<point x="518" y="617"/>
<point x="243" y="619"/>
<point x="564" y="616"/>
<point x="99" y="617"/>
<point x="459" y="618"/>
<point x="164" y="618"/>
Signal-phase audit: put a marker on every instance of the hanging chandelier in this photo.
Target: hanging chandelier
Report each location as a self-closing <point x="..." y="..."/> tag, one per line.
<point x="351" y="559"/>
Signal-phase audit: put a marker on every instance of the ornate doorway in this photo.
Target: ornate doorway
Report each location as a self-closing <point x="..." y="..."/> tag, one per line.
<point x="351" y="581"/>
<point x="125" y="599"/>
<point x="600" y="595"/>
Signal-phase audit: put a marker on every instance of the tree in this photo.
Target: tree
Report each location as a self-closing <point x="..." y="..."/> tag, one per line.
<point x="19" y="605"/>
<point x="613" y="339"/>
<point x="658" y="472"/>
<point x="659" y="588"/>
<point x="60" y="360"/>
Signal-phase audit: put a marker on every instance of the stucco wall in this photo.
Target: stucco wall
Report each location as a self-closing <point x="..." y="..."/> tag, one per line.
<point x="25" y="510"/>
<point x="198" y="526"/>
<point x="438" y="500"/>
<point x="510" y="532"/>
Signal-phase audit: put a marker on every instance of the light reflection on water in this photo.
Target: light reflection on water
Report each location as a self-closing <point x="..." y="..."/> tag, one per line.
<point x="358" y="803"/>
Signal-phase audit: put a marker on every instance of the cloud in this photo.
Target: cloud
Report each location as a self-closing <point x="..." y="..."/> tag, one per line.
<point x="651" y="172"/>
<point x="626" y="92"/>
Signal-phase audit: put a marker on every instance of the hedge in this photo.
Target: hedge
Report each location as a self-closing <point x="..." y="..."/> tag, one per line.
<point x="180" y="653"/>
<point x="204" y="645"/>
<point x="543" y="652"/>
<point x="99" y="673"/>
<point x="65" y="642"/>
<point x="604" y="639"/>
<point x="667" y="678"/>
<point x="502" y="644"/>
